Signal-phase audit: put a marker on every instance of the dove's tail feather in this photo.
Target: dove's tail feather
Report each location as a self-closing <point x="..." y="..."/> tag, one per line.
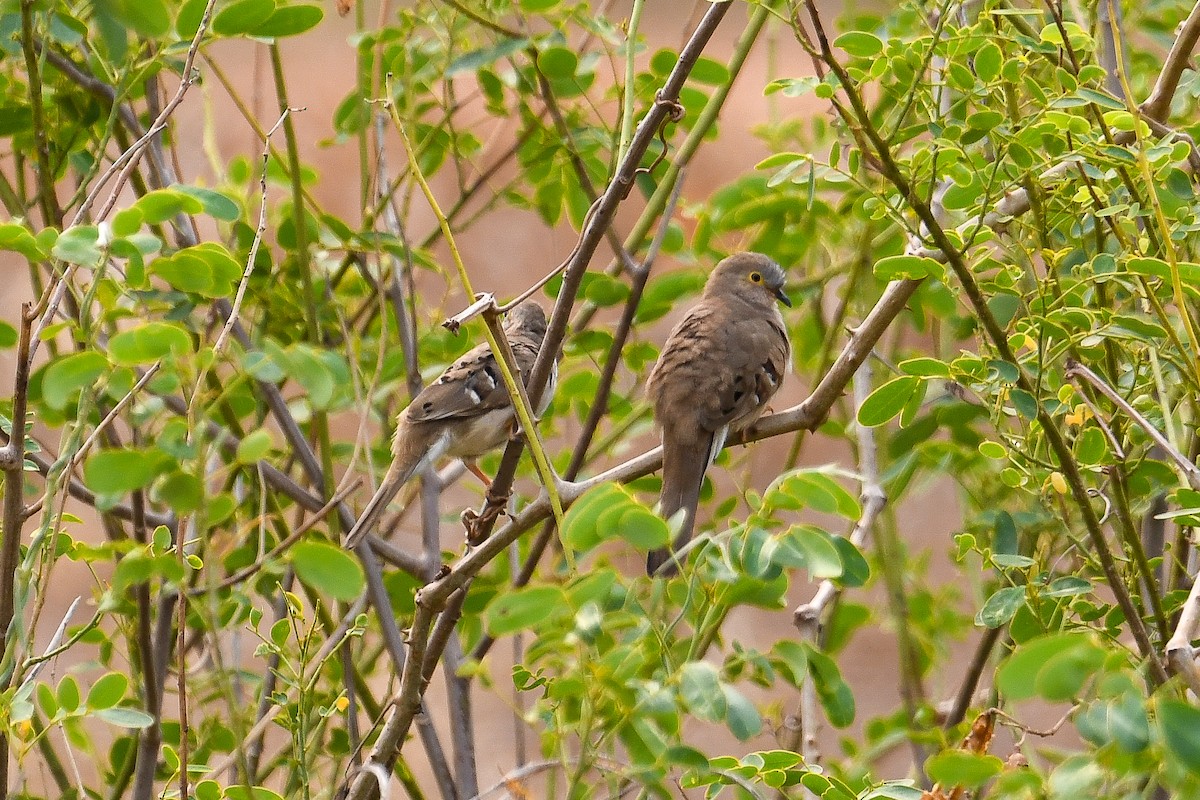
<point x="683" y="475"/>
<point x="392" y="481"/>
<point x="406" y="461"/>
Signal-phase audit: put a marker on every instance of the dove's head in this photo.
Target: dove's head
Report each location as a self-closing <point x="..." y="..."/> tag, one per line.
<point x="527" y="317"/>
<point x="750" y="276"/>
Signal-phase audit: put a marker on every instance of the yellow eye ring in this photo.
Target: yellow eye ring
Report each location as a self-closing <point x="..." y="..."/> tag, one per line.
<point x="756" y="277"/>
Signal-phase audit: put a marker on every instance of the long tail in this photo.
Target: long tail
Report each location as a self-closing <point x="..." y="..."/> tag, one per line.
<point x="397" y="475"/>
<point x="683" y="475"/>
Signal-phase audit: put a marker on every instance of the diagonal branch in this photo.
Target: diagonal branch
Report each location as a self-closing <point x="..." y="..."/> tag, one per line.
<point x="598" y="222"/>
<point x="1158" y="104"/>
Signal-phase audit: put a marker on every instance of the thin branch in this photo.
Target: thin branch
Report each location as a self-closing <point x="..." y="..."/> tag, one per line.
<point x="807" y="617"/>
<point x="494" y="333"/>
<point x="251" y="570"/>
<point x="599" y="404"/>
<point x="1189" y="470"/>
<point x="51" y="212"/>
<point x="327" y="647"/>
<point x="975" y="668"/>
<point x="12" y="462"/>
<point x="125" y="162"/>
<point x="261" y="228"/>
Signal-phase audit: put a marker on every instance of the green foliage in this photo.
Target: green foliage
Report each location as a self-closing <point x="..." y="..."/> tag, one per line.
<point x="329" y="570"/>
<point x="987" y="158"/>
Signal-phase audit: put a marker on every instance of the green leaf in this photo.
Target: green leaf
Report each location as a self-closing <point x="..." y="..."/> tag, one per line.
<point x="161" y="205"/>
<point x="250" y="793"/>
<point x="254" y="447"/>
<point x="1189" y="273"/>
<point x="304" y="364"/>
<point x="242" y="16"/>
<point x="795" y="660"/>
<point x="1067" y="586"/>
<point x="469" y="62"/>
<point x="643" y="741"/>
<point x="791" y="87"/>
<point x="700" y="688"/>
<point x="686" y="757"/>
<point x="328" y="569"/>
<point x="188" y="21"/>
<point x="826" y="495"/>
<point x="925" y="368"/>
<point x="216" y="205"/>
<point x="988" y="60"/>
<point x="1100" y="98"/>
<point x="604" y="290"/>
<point x="184" y="274"/>
<point x="289" y="21"/>
<point x="558" y="62"/>
<point x="1179" y="723"/>
<point x="120" y="471"/>
<point x="78" y="244"/>
<point x="127" y="221"/>
<point x="207" y="269"/>
<point x="513" y="611"/>
<point x="963" y="768"/>
<point x="1001" y="607"/>
<point x="139" y="567"/>
<point x="8" y="335"/>
<point x="148" y="17"/>
<point x="1063" y="675"/>
<point x="1005" y="537"/>
<point x="581" y="522"/>
<point x="124" y="717"/>
<point x="887" y="401"/>
<point x="894" y="791"/>
<point x="1025" y="673"/>
<point x="46" y="700"/>
<point x="182" y="491"/>
<point x="809" y="547"/>
<point x="107" y="691"/>
<point x="811" y="488"/>
<point x="66" y="376"/>
<point x="992" y="450"/>
<point x="845" y="619"/>
<point x="16" y="237"/>
<point x="644" y="529"/>
<point x="1128" y="724"/>
<point x="710" y="71"/>
<point x="1024" y="403"/>
<point x="859" y="43"/>
<point x="832" y="690"/>
<point x="149" y="342"/>
<point x="855" y="569"/>
<point x="68" y="694"/>
<point x="741" y="716"/>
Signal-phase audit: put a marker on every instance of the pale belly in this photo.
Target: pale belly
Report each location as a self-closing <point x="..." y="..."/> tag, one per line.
<point x="483" y="434"/>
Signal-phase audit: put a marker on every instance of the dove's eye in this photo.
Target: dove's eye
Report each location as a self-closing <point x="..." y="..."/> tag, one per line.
<point x="756" y="277"/>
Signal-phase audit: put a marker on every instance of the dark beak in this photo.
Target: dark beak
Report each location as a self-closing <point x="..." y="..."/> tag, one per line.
<point x="782" y="297"/>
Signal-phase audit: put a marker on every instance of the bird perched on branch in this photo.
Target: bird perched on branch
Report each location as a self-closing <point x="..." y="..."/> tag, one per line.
<point x="465" y="413"/>
<point x="719" y="368"/>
